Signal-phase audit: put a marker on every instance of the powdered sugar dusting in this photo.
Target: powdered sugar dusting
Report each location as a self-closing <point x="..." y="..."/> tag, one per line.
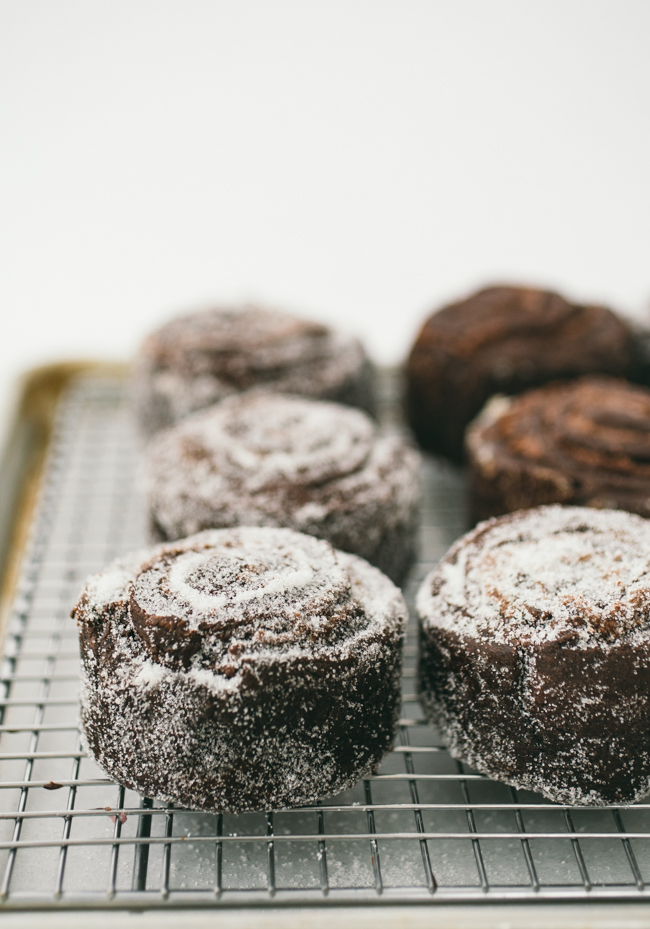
<point x="230" y="577"/>
<point x="200" y="358"/>
<point x="240" y="669"/>
<point x="259" y="438"/>
<point x="542" y="573"/>
<point x="535" y="652"/>
<point x="149" y="674"/>
<point x="201" y="602"/>
<point x="263" y="458"/>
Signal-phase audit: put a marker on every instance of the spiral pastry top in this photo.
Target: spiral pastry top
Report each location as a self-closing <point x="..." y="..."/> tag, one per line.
<point x="535" y="652"/>
<point x="585" y="442"/>
<point x="240" y="669"/>
<point x="198" y="359"/>
<point x="505" y="340"/>
<point x="261" y="458"/>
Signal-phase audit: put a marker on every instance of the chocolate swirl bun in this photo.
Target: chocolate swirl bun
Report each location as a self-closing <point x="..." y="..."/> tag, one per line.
<point x="240" y="669"/>
<point x="504" y="340"/>
<point x="535" y="652"/>
<point x="265" y="459"/>
<point x="198" y="359"/>
<point x="586" y="442"/>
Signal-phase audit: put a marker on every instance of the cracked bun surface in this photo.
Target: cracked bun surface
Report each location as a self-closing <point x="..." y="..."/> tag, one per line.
<point x="199" y="358"/>
<point x="240" y="669"/>
<point x="535" y="652"/>
<point x="585" y="442"/>
<point x="505" y="340"/>
<point x="267" y="459"/>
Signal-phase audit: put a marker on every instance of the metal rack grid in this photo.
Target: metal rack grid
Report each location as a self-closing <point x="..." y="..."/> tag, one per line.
<point x="424" y="829"/>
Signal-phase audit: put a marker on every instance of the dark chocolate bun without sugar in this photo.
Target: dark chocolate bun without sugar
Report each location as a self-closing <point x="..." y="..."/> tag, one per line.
<point x="505" y="340"/>
<point x="268" y="459"/>
<point x="584" y="442"/>
<point x="240" y="669"/>
<point x="535" y="652"/>
<point x="199" y="358"/>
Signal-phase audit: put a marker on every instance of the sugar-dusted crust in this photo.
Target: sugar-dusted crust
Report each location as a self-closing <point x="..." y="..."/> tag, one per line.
<point x="505" y="340"/>
<point x="535" y="652"/>
<point x="240" y="669"/>
<point x="197" y="359"/>
<point x="268" y="459"/>
<point x="585" y="442"/>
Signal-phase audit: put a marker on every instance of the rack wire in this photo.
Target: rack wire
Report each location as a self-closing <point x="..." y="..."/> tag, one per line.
<point x="425" y="829"/>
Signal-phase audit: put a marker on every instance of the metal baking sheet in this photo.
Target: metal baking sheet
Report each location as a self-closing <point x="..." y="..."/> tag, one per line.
<point x="425" y="830"/>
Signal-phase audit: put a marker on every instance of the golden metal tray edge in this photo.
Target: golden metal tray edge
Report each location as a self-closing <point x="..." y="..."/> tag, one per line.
<point x="23" y="457"/>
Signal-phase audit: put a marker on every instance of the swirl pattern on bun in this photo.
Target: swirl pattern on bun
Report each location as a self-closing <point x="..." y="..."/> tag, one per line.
<point x="535" y="652"/>
<point x="505" y="340"/>
<point x="240" y="669"/>
<point x="197" y="359"/>
<point x="586" y="442"/>
<point x="266" y="459"/>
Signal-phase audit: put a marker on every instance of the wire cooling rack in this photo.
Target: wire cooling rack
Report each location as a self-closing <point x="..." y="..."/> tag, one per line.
<point x="424" y="829"/>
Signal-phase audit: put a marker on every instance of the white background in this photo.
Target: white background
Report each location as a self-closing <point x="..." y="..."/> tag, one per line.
<point x="361" y="161"/>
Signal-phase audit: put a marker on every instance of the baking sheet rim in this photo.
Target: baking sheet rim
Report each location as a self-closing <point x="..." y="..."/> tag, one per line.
<point x="22" y="462"/>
